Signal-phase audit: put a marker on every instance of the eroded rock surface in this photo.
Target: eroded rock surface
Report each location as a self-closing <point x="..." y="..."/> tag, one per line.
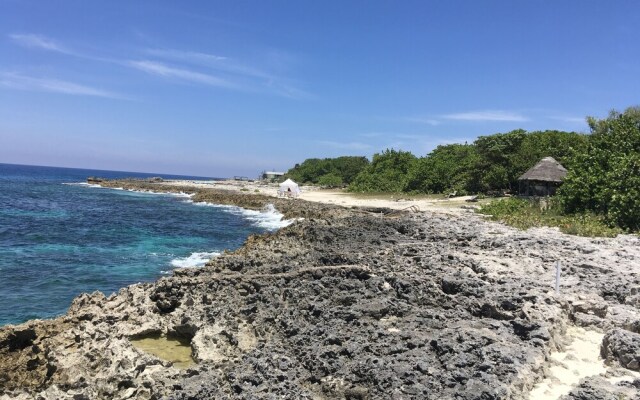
<point x="343" y="304"/>
<point x="623" y="347"/>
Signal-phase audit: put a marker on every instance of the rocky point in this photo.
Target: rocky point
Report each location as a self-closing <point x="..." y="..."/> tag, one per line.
<point x="346" y="303"/>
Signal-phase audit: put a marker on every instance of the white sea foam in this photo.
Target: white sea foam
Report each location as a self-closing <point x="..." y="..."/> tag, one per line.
<point x="92" y="185"/>
<point x="183" y="195"/>
<point x="194" y="260"/>
<point x="178" y="194"/>
<point x="268" y="218"/>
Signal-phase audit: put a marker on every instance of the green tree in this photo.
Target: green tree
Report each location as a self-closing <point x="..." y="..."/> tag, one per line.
<point x="503" y="157"/>
<point x="312" y="169"/>
<point x="348" y="167"/>
<point x="557" y="144"/>
<point x="494" y="167"/>
<point x="605" y="177"/>
<point x="330" y="180"/>
<point x="387" y="172"/>
<point x="447" y="168"/>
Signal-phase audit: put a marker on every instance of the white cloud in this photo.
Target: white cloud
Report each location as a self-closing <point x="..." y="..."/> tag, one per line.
<point x="498" y="115"/>
<point x="372" y="134"/>
<point x="160" y="69"/>
<point x="186" y="55"/>
<point x="249" y="77"/>
<point x="420" y="120"/>
<point x="407" y="136"/>
<point x="21" y="82"/>
<point x="39" y="41"/>
<point x="193" y="68"/>
<point x="346" y="145"/>
<point x="571" y="120"/>
<point x="221" y="63"/>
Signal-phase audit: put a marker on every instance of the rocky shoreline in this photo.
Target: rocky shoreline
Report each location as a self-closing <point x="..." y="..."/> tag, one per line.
<point x="346" y="303"/>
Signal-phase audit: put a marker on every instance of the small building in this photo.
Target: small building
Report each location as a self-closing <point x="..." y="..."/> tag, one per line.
<point x="543" y="179"/>
<point x="271" y="175"/>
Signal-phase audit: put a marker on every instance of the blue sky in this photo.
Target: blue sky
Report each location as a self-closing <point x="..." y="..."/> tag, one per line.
<point x="229" y="88"/>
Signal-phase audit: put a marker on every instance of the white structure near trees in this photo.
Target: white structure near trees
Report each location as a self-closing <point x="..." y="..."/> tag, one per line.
<point x="270" y="175"/>
<point x="289" y="188"/>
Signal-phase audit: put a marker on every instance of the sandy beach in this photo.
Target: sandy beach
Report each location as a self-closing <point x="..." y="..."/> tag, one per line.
<point x="340" y="197"/>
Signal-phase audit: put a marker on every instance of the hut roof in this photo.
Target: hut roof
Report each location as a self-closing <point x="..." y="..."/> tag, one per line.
<point x="546" y="170"/>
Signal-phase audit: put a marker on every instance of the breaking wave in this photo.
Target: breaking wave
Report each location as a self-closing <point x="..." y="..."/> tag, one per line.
<point x="268" y="218"/>
<point x="194" y="260"/>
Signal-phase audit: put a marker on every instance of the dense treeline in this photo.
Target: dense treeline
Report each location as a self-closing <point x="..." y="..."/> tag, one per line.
<point x="603" y="168"/>
<point x="331" y="172"/>
<point x="604" y="178"/>
<point x="600" y="195"/>
<point x="387" y="172"/>
<point x="490" y="164"/>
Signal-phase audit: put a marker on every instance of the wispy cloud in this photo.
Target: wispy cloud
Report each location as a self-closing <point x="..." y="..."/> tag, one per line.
<point x="420" y="120"/>
<point x="245" y="76"/>
<point x="186" y="55"/>
<point x="571" y="120"/>
<point x="161" y="69"/>
<point x="407" y="136"/>
<point x="39" y="42"/>
<point x="496" y="115"/>
<point x="21" y="82"/>
<point x="188" y="66"/>
<point x="221" y="63"/>
<point x="345" y="145"/>
<point x="372" y="134"/>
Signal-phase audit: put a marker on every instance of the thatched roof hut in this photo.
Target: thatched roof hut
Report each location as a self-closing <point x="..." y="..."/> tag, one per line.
<point x="542" y="179"/>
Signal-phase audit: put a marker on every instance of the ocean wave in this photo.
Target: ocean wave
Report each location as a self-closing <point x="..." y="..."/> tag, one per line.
<point x="268" y="218"/>
<point x="194" y="260"/>
<point x="92" y="185"/>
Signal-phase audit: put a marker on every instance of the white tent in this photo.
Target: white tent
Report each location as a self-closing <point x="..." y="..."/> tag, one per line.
<point x="289" y="188"/>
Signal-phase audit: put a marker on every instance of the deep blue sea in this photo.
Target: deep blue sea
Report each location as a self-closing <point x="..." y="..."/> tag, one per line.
<point x="60" y="237"/>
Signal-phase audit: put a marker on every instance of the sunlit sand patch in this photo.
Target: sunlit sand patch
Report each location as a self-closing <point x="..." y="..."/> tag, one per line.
<point x="580" y="359"/>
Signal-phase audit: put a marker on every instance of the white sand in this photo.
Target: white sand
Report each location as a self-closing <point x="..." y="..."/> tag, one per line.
<point x="581" y="359"/>
<point x="311" y="193"/>
<point x="452" y="205"/>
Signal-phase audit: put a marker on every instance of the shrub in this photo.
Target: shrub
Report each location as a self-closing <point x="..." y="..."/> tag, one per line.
<point x="605" y="177"/>
<point x="525" y="214"/>
<point x="313" y="169"/>
<point x="330" y="180"/>
<point x="387" y="172"/>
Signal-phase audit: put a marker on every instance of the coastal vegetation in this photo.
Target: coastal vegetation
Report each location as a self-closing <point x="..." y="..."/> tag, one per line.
<point x="330" y="172"/>
<point x="604" y="178"/>
<point x="490" y="164"/>
<point x="387" y="172"/>
<point x="525" y="214"/>
<point x="600" y="195"/>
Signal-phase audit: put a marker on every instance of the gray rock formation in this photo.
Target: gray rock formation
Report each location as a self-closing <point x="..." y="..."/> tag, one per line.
<point x="597" y="388"/>
<point x="343" y="304"/>
<point x="622" y="346"/>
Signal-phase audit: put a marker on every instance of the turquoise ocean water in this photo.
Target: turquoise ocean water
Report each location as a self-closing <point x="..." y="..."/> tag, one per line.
<point x="60" y="237"/>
